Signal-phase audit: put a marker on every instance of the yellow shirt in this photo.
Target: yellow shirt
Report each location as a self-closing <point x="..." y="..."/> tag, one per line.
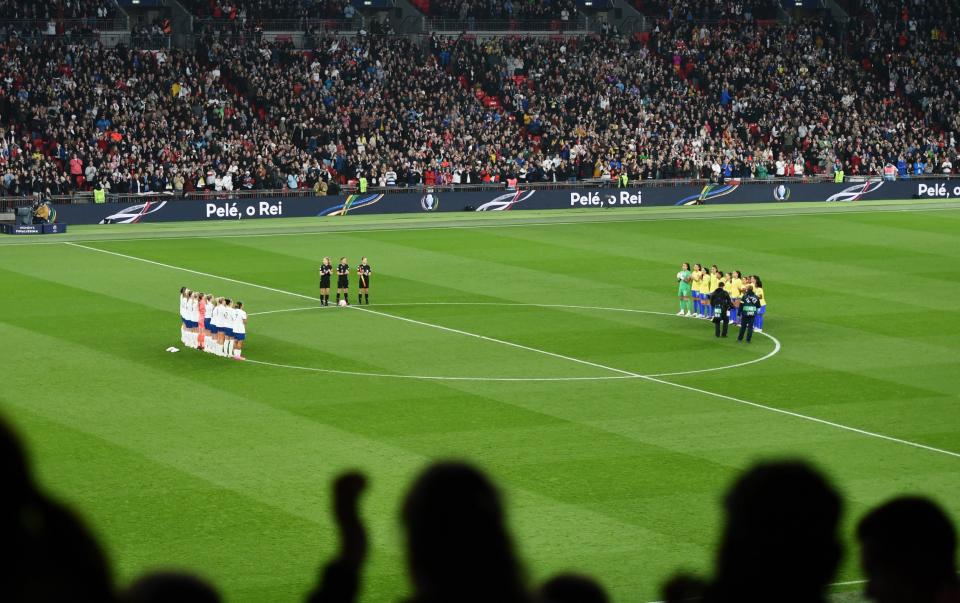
<point x="759" y="292"/>
<point x="695" y="280"/>
<point x="736" y="287"/>
<point x="704" y="282"/>
<point x="714" y="281"/>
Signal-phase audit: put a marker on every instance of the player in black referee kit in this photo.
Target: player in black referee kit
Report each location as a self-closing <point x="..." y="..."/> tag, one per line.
<point x="343" y="280"/>
<point x="749" y="306"/>
<point x="363" y="271"/>
<point x="325" y="271"/>
<point x="720" y="303"/>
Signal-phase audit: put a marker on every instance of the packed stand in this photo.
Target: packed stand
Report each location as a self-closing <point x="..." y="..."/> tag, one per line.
<point x="464" y="10"/>
<point x="134" y="122"/>
<point x="459" y="546"/>
<point x="709" y="10"/>
<point x="687" y="100"/>
<point x="259" y="10"/>
<point x="56" y="9"/>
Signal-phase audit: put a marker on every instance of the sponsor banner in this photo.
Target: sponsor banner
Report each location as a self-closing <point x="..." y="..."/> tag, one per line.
<point x="32" y="229"/>
<point x="734" y="191"/>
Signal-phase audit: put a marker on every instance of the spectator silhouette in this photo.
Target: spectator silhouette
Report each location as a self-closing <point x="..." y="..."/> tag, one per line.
<point x="571" y="588"/>
<point x="909" y="553"/>
<point x="49" y="555"/>
<point x="340" y="579"/>
<point x="458" y="548"/>
<point x="780" y="541"/>
<point x="170" y="587"/>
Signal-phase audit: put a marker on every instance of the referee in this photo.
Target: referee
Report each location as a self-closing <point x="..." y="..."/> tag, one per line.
<point x="721" y="303"/>
<point x="343" y="280"/>
<point x="749" y="306"/>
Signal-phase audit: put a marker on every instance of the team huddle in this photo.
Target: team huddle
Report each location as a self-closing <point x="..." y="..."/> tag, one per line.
<point x="215" y="325"/>
<point x="722" y="297"/>
<point x="343" y="282"/>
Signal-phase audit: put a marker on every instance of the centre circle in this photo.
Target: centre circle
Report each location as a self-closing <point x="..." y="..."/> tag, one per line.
<point x="620" y="373"/>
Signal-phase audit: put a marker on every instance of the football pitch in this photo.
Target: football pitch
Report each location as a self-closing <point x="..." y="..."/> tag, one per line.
<point x="543" y="346"/>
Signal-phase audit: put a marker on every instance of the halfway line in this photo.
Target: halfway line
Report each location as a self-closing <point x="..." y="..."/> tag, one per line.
<point x="546" y="353"/>
<point x="655" y="380"/>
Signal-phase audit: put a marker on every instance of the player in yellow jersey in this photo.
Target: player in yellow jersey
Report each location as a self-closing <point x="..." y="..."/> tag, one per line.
<point x="705" y="295"/>
<point x="735" y="290"/>
<point x="697" y="277"/>
<point x="713" y="279"/>
<point x="758" y="289"/>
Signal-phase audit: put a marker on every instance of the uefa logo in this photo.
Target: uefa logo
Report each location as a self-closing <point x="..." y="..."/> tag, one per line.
<point x="430" y="202"/>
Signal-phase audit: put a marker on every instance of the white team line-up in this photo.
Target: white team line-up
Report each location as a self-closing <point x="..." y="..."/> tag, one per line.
<point x="549" y="222"/>
<point x="652" y="379"/>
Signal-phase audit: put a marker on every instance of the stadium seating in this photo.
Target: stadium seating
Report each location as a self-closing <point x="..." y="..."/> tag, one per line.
<point x="687" y="99"/>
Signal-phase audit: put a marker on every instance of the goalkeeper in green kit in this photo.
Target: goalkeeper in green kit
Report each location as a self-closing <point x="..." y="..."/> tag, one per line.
<point x="684" y="280"/>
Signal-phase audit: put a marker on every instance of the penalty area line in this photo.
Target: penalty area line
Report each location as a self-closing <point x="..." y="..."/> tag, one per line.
<point x="756" y="405"/>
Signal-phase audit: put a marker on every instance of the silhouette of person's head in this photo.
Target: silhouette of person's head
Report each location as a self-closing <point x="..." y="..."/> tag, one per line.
<point x="780" y="541"/>
<point x="170" y="587"/>
<point x="572" y="588"/>
<point x="909" y="552"/>
<point x="458" y="548"/>
<point x="48" y="554"/>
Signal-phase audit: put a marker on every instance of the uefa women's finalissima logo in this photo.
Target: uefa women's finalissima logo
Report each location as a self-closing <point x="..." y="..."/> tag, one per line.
<point x="430" y="202"/>
<point x="781" y="192"/>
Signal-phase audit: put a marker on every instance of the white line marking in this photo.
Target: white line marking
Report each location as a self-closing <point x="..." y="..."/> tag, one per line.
<point x="288" y="310"/>
<point x="813" y="211"/>
<point x="435" y="378"/>
<point x="571" y="359"/>
<point x="835" y="584"/>
<point x="774" y="352"/>
<point x="207" y="274"/>
<point x="681" y="386"/>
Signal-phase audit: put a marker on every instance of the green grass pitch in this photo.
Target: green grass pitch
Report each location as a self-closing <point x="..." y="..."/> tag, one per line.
<point x="188" y="460"/>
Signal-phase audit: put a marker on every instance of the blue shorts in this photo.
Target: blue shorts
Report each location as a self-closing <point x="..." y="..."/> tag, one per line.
<point x="185" y="322"/>
<point x="206" y="324"/>
<point x="239" y="336"/>
<point x="227" y="332"/>
<point x="214" y="329"/>
<point x="191" y="324"/>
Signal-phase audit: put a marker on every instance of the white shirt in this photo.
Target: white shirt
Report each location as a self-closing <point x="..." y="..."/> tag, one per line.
<point x="183" y="307"/>
<point x="239" y="316"/>
<point x="218" y="315"/>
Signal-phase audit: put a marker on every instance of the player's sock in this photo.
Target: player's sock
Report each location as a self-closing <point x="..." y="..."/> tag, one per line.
<point x="366" y="298"/>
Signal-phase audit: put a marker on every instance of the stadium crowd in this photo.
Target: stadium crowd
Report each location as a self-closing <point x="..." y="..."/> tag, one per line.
<point x="503" y="9"/>
<point x="726" y="99"/>
<point x="255" y="10"/>
<point x="56" y="9"/>
<point x="780" y="542"/>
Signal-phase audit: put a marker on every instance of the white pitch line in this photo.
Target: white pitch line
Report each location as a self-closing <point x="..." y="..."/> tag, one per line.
<point x="207" y="274"/>
<point x="555" y="355"/>
<point x="373" y="228"/>
<point x="833" y="585"/>
<point x="681" y="386"/>
<point x="776" y="342"/>
<point x="432" y="377"/>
